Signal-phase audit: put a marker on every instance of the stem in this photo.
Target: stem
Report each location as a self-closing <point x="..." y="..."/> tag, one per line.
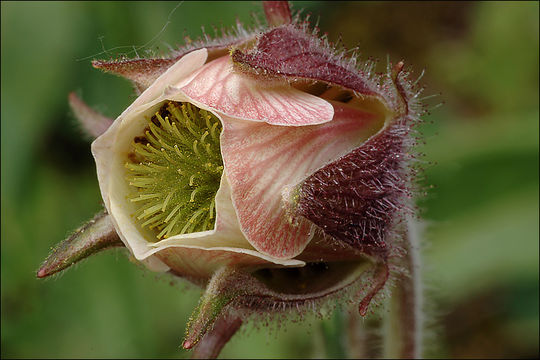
<point x="403" y="330"/>
<point x="211" y="344"/>
<point x="333" y="333"/>
<point x="364" y="340"/>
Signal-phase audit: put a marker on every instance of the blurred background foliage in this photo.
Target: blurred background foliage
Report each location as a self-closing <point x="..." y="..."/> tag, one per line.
<point x="481" y="157"/>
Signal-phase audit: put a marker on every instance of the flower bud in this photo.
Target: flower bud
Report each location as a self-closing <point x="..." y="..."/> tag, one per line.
<point x="267" y="167"/>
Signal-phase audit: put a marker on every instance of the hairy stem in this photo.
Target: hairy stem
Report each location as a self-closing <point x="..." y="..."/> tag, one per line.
<point x="403" y="328"/>
<point x="333" y="332"/>
<point x="211" y="344"/>
<point x="364" y="340"/>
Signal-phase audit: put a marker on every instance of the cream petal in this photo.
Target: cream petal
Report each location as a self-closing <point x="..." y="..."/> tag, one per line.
<point x="264" y="163"/>
<point x="92" y="122"/>
<point x="218" y="87"/>
<point x="179" y="74"/>
<point x="226" y="244"/>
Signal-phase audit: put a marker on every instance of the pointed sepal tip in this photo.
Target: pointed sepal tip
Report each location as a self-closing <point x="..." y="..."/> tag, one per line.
<point x="96" y="235"/>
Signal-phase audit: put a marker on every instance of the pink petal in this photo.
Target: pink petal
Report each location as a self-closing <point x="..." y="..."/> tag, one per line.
<point x="264" y="162"/>
<point x="241" y="96"/>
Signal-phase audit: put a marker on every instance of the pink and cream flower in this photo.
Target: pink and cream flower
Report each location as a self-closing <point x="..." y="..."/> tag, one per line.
<point x="274" y="138"/>
<point x="268" y="167"/>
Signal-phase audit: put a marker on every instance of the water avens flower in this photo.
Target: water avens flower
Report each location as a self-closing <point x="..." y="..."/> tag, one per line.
<point x="266" y="167"/>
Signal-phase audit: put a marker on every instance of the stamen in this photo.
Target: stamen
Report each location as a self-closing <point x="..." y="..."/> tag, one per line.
<point x="195" y="150"/>
<point x="165" y="145"/>
<point x="178" y="135"/>
<point x="166" y="155"/>
<point x="167" y="201"/>
<point x="172" y="224"/>
<point x="141" y="150"/>
<point x="211" y="210"/>
<point x="213" y="131"/>
<point x="189" y="124"/>
<point x="151" y="210"/>
<point x="157" y="167"/>
<point x="140" y="182"/>
<point x="152" y="222"/>
<point x="193" y="193"/>
<point x="207" y="148"/>
<point x="177" y="151"/>
<point x="207" y="119"/>
<point x="192" y="220"/>
<point x="173" y="181"/>
<point x="145" y="197"/>
<point x="204" y="136"/>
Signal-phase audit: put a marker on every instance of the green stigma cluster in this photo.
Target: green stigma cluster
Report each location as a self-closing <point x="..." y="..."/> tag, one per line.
<point x="174" y="171"/>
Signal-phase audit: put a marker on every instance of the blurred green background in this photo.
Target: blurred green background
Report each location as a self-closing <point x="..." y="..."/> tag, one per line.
<point x="481" y="253"/>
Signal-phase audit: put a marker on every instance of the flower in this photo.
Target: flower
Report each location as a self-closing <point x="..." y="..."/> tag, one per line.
<point x="274" y="137"/>
<point x="265" y="167"/>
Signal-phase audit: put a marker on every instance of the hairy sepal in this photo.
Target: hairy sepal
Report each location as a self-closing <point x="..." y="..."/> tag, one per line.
<point x="291" y="51"/>
<point x="312" y="64"/>
<point x="92" y="123"/>
<point x="273" y="292"/>
<point x="142" y="72"/>
<point x="96" y="235"/>
<point x="358" y="198"/>
<point x="361" y="198"/>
